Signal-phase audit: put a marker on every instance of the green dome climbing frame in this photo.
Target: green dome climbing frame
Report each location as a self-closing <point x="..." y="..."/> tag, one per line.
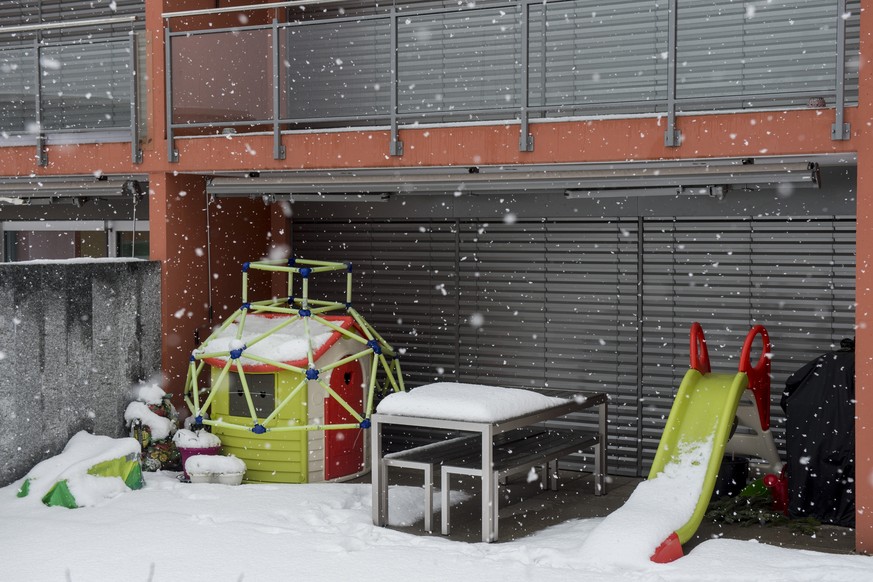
<point x="291" y="311"/>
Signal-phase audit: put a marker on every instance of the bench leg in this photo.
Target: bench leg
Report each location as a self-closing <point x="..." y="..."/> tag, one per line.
<point x="600" y="452"/>
<point x="552" y="473"/>
<point x="495" y="505"/>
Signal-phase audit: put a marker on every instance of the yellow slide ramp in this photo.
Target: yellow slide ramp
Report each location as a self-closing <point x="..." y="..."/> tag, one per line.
<point x="704" y="409"/>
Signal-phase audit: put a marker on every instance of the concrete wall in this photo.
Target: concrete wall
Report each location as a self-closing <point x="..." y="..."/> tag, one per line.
<point x="74" y="337"/>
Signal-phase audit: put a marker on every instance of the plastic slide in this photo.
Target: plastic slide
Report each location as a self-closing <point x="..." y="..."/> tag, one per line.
<point x="704" y="408"/>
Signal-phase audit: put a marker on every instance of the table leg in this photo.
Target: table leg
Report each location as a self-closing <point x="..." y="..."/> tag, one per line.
<point x="489" y="500"/>
<point x="379" y="476"/>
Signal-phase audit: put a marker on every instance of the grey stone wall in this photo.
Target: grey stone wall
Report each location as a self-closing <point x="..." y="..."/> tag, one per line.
<point x="74" y="337"/>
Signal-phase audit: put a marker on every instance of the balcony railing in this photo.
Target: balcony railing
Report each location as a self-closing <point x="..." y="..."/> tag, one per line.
<point x="520" y="61"/>
<point x="75" y="90"/>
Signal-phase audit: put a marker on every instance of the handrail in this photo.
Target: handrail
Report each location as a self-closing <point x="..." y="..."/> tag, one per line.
<point x="246" y="8"/>
<point x="699" y="351"/>
<point x="66" y="24"/>
<point x="759" y="374"/>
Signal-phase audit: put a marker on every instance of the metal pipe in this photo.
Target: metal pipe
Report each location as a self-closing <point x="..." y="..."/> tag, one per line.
<point x="135" y="150"/>
<point x="65" y="24"/>
<point x="172" y="152"/>
<point x="840" y="130"/>
<point x="267" y="6"/>
<point x="395" y="147"/>
<point x="278" y="148"/>
<point x="525" y="143"/>
<point x="672" y="137"/>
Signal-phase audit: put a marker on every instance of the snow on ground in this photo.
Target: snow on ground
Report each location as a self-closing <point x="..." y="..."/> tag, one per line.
<point x="172" y="531"/>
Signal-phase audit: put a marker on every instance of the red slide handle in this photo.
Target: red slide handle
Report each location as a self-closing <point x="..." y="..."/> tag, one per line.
<point x="759" y="374"/>
<point x="699" y="352"/>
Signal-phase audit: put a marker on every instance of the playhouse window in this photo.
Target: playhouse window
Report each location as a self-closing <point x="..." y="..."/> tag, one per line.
<point x="262" y="389"/>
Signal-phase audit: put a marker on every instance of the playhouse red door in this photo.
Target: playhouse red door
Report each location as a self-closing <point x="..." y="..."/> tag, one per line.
<point x="344" y="449"/>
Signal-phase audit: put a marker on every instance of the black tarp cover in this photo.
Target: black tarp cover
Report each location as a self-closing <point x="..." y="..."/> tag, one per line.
<point x="819" y="405"/>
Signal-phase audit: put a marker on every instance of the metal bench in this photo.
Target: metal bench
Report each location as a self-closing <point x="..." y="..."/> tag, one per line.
<point x="518" y="455"/>
<point x="426" y="458"/>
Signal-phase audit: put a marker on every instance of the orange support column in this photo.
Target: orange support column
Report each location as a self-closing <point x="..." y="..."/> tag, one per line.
<point x="863" y="135"/>
<point x="177" y="217"/>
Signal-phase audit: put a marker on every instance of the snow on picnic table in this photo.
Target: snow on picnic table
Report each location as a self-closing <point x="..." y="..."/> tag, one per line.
<point x="467" y="402"/>
<point x="172" y="531"/>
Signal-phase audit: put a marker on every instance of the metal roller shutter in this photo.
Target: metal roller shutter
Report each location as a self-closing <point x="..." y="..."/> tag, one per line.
<point x="796" y="277"/>
<point x="555" y="302"/>
<point x="85" y="84"/>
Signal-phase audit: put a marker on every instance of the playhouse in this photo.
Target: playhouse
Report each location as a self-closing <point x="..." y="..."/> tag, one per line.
<point x="291" y="388"/>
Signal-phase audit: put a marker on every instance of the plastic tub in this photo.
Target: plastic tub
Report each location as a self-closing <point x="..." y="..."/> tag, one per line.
<point x="188" y="453"/>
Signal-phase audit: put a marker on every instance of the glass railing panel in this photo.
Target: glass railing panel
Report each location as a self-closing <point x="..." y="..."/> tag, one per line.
<point x="335" y="69"/>
<point x="222" y="76"/>
<point x="459" y="61"/>
<point x="585" y="52"/>
<point x="17" y="91"/>
<point x="753" y="52"/>
<point x="86" y="86"/>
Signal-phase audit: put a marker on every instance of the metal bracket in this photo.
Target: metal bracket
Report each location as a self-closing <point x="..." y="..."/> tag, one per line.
<point x="672" y="137"/>
<point x="395" y="148"/>
<point x="41" y="155"/>
<point x="526" y="142"/>
<point x="173" y="155"/>
<point x="841" y="131"/>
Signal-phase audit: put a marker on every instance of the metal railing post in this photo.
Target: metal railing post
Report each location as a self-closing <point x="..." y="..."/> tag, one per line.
<point x="135" y="149"/>
<point x="41" y="155"/>
<point x="526" y="142"/>
<point x="840" y="130"/>
<point x="172" y="152"/>
<point x="672" y="137"/>
<point x="395" y="147"/>
<point x="278" y="148"/>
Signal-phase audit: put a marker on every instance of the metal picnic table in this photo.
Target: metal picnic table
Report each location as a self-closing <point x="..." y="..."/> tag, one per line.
<point x="488" y="429"/>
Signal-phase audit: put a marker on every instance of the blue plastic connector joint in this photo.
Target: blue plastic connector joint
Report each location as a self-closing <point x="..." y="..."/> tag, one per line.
<point x="192" y="358"/>
<point x="198" y="420"/>
<point x="305" y="272"/>
<point x="290" y="300"/>
<point x="292" y="261"/>
<point x="348" y="304"/>
<point x="374" y="345"/>
<point x="237" y="354"/>
<point x="259" y="429"/>
<point x="246" y="307"/>
<point x="349" y="267"/>
<point x="312" y="374"/>
<point x="365" y="423"/>
<point x="245" y="267"/>
<point x="304" y="313"/>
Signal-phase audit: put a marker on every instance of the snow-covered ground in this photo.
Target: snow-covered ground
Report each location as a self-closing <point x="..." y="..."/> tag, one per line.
<point x="171" y="531"/>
